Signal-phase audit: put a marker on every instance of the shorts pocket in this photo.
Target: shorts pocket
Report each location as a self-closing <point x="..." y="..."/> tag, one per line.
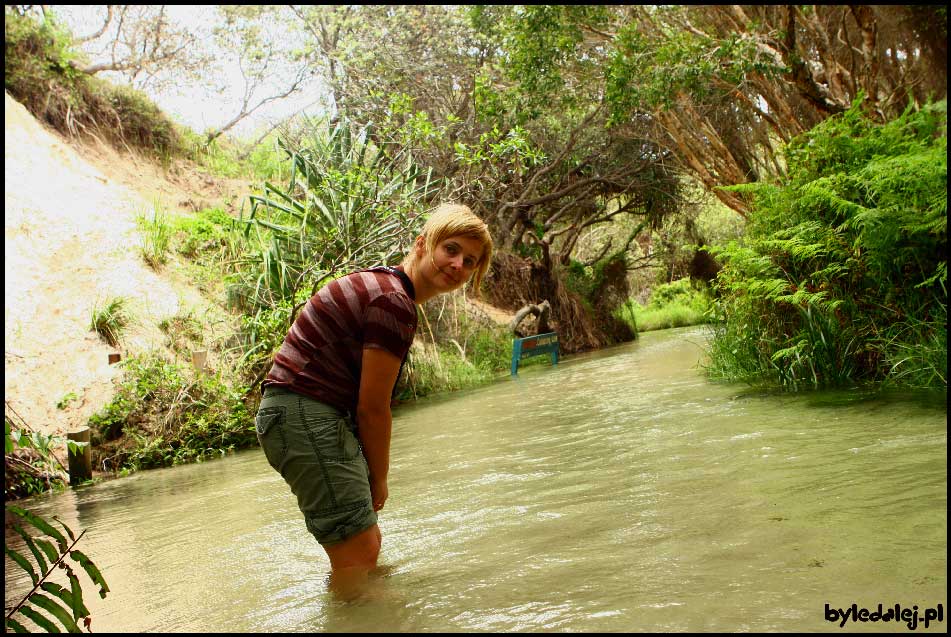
<point x="331" y="436"/>
<point x="269" y="426"/>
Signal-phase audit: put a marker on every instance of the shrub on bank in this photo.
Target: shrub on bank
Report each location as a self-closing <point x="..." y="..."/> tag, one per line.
<point x="164" y="414"/>
<point x="842" y="277"/>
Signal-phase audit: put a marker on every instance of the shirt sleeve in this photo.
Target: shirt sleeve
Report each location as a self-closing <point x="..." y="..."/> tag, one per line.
<point x="390" y="323"/>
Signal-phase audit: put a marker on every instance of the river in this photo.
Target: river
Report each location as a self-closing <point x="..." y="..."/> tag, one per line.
<point x="619" y="491"/>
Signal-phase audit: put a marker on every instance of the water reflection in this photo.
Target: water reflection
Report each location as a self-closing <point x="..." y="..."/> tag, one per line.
<point x="618" y="491"/>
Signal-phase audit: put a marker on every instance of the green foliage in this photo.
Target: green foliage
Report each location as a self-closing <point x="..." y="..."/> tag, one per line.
<point x="207" y="232"/>
<point x="184" y="331"/>
<point x="454" y="349"/>
<point x="63" y="402"/>
<point x="348" y="203"/>
<point x="677" y="304"/>
<point x="267" y="161"/>
<point x="478" y="356"/>
<point x="843" y="274"/>
<point x="110" y="319"/>
<point x="166" y="415"/>
<point x="64" y="604"/>
<point x="30" y="463"/>
<point x="35" y="54"/>
<point x="645" y="72"/>
<point x="544" y="49"/>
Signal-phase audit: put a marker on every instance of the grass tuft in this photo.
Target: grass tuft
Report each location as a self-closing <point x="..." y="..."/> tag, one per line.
<point x="110" y="319"/>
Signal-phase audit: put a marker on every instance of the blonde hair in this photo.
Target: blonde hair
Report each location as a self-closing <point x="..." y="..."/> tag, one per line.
<point x="453" y="220"/>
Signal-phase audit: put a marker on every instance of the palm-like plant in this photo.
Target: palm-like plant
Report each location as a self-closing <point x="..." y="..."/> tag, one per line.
<point x="351" y="202"/>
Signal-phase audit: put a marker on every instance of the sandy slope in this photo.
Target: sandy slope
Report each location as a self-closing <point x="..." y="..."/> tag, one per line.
<point x="70" y="240"/>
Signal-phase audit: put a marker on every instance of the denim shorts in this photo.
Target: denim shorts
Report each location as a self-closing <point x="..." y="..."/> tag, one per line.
<point x="313" y="446"/>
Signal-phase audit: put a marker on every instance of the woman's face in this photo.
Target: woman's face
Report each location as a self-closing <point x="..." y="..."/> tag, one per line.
<point x="453" y="262"/>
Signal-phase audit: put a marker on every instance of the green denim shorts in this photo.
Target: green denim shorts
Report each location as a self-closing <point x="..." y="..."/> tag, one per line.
<point x="313" y="446"/>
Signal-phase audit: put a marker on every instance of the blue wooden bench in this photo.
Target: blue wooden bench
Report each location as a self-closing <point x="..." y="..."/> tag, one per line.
<point x="534" y="346"/>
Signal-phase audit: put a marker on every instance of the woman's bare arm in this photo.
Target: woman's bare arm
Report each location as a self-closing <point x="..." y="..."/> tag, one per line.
<point x="374" y="420"/>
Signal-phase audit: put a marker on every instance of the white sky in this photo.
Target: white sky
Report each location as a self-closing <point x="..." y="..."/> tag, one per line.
<point x="201" y="106"/>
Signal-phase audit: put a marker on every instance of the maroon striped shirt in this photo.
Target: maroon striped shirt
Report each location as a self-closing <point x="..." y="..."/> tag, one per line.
<point x="322" y="355"/>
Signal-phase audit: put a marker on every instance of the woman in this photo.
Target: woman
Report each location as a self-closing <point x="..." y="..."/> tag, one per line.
<point x="324" y="422"/>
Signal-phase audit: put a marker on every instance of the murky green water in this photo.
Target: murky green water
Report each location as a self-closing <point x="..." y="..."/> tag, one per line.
<point x="618" y="491"/>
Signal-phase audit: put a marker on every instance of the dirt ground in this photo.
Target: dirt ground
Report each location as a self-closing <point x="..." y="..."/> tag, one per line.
<point x="70" y="242"/>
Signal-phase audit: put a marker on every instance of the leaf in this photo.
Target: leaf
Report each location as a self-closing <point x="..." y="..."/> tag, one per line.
<point x="75" y="605"/>
<point x="40" y="620"/>
<point x="79" y="608"/>
<point x="51" y="606"/>
<point x="15" y="625"/>
<point x="51" y="553"/>
<point x="69" y="531"/>
<point x="32" y="546"/>
<point x="8" y="443"/>
<point x="92" y="571"/>
<point x="23" y="562"/>
<point x="40" y="524"/>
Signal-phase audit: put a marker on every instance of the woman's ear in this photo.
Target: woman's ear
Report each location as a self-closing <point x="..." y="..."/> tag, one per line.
<point x="420" y="246"/>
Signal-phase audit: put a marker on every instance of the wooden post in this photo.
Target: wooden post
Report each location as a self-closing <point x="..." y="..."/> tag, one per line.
<point x="114" y="358"/>
<point x="200" y="360"/>
<point x="80" y="463"/>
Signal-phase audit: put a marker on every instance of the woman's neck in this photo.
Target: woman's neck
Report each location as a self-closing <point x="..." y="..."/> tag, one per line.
<point x="424" y="291"/>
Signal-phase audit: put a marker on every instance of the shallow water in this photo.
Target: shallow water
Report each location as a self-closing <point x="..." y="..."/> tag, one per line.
<point x="616" y="491"/>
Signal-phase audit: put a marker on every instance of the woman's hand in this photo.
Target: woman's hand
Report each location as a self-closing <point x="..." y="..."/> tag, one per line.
<point x="378" y="493"/>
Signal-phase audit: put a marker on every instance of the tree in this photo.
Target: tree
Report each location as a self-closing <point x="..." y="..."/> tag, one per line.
<point x="271" y="67"/>
<point x="729" y="84"/>
<point x="541" y="171"/>
<point x="159" y="48"/>
<point x="142" y="44"/>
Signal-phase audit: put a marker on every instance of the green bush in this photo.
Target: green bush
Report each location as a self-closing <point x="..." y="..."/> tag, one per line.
<point x="842" y="276"/>
<point x="207" y="232"/>
<point x="163" y="414"/>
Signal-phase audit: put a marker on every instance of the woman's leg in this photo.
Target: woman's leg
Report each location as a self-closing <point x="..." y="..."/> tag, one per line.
<point x="351" y="562"/>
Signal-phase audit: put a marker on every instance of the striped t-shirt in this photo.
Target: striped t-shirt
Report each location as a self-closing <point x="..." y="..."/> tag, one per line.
<point x="322" y="355"/>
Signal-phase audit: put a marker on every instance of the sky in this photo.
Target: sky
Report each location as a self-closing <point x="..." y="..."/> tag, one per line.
<point x="198" y="105"/>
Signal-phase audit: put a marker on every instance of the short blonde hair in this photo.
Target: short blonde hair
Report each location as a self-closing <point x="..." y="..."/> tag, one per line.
<point x="453" y="220"/>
